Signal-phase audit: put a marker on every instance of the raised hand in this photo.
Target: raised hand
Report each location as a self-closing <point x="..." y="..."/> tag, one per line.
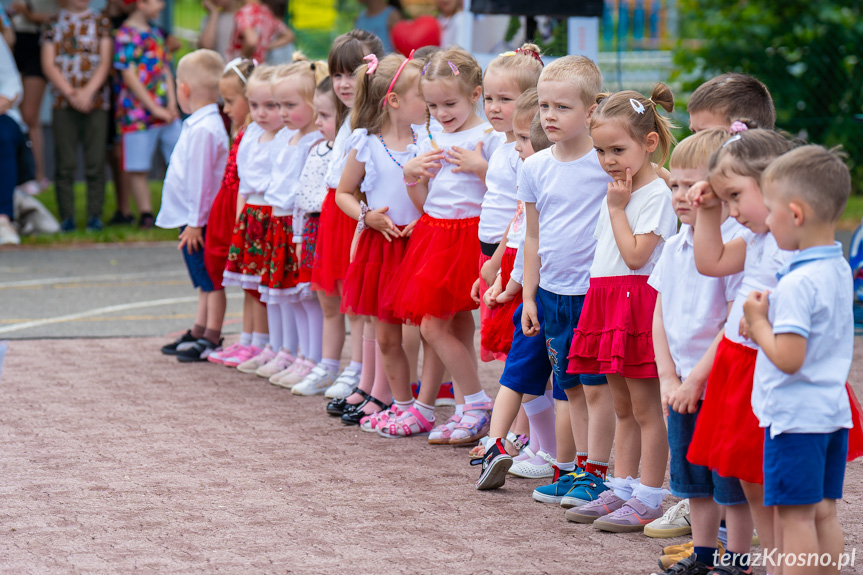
<point x="701" y="195"/>
<point x="619" y="191"/>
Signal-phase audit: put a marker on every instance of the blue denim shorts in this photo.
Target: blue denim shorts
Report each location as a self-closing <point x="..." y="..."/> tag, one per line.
<point x="527" y="368"/>
<point x="138" y="147"/>
<point x="804" y="468"/>
<point x="688" y="480"/>
<point x="561" y="314"/>
<point x="195" y="265"/>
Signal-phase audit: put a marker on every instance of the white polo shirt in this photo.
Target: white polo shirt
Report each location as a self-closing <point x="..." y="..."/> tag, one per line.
<point x="813" y="299"/>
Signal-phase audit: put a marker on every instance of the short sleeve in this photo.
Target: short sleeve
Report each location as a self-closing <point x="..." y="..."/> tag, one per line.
<point x="103" y="27"/>
<point x="655" y="279"/>
<point x="125" y="49"/>
<point x="732" y="285"/>
<point x="793" y="305"/>
<point x="490" y="144"/>
<point x="360" y="141"/>
<point x="526" y="183"/>
<point x="657" y="215"/>
<point x="49" y="30"/>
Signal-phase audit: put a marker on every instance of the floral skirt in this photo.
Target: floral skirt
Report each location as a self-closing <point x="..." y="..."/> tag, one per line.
<point x="246" y="255"/>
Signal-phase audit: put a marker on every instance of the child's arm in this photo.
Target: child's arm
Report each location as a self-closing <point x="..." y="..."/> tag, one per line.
<point x="634" y="249"/>
<point x="468" y="161"/>
<point x="130" y="79"/>
<point x="713" y="257"/>
<point x="53" y="74"/>
<point x="241" y="203"/>
<point x="669" y="383"/>
<point x="491" y="267"/>
<point x="283" y="37"/>
<point x="173" y="109"/>
<point x="352" y="177"/>
<point x="88" y="92"/>
<point x="418" y="170"/>
<point x="200" y="184"/>
<point x="207" y="39"/>
<point x="787" y="351"/>
<point x="513" y="288"/>
<point x="530" y="315"/>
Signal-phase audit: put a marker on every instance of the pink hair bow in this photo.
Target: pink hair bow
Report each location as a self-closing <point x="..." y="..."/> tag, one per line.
<point x="737" y="126"/>
<point x="372" y="59"/>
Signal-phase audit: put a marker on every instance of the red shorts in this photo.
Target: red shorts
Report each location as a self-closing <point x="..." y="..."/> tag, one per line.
<point x="369" y="287"/>
<point x="497" y="331"/>
<point x="246" y="254"/>
<point x="333" y="249"/>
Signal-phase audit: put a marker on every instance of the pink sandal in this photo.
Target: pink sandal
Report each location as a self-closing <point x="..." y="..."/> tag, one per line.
<point x="411" y="422"/>
<point x="440" y="435"/>
<point x="372" y="423"/>
<point x="476" y="420"/>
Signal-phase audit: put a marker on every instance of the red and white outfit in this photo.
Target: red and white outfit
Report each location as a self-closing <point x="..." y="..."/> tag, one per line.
<point x="263" y="22"/>
<point x="336" y="231"/>
<point x="370" y="283"/>
<point x="439" y="269"/>
<point x="615" y="331"/>
<point x="220" y="225"/>
<point x="246" y="254"/>
<point x="311" y="192"/>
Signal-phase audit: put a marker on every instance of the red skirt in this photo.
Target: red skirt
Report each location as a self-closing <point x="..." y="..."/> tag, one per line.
<point x="310" y="240"/>
<point x="246" y="254"/>
<point x="333" y="250"/>
<point x="615" y="330"/>
<point x="497" y="331"/>
<point x="222" y="219"/>
<point x="438" y="270"/>
<point x="369" y="287"/>
<point x="280" y="272"/>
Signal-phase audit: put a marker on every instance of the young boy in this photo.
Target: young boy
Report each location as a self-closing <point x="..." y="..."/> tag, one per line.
<point x="723" y="99"/>
<point x="805" y="334"/>
<point x="147" y="114"/>
<point x="76" y="59"/>
<point x="563" y="188"/>
<point x="688" y="324"/>
<point x="191" y="184"/>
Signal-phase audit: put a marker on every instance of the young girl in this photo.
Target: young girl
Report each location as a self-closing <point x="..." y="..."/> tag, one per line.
<point x="254" y="166"/>
<point x="614" y="332"/>
<point x="387" y="104"/>
<point x="434" y="282"/>
<point x="293" y="88"/>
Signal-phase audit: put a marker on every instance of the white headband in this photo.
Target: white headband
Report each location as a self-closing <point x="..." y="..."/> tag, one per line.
<point x="232" y="65"/>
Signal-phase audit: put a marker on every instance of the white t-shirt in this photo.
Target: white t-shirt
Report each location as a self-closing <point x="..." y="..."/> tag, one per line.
<point x="568" y="196"/>
<point x="311" y="190"/>
<point x="649" y="211"/>
<point x="457" y="195"/>
<point x="254" y="163"/>
<point x="814" y="300"/>
<point x="384" y="183"/>
<point x="694" y="306"/>
<point x="340" y="155"/>
<point x="287" y="167"/>
<point x="499" y="202"/>
<point x="763" y="260"/>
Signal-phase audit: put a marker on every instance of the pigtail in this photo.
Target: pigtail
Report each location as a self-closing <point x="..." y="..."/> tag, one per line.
<point x="364" y="111"/>
<point x="320" y="69"/>
<point x="663" y="97"/>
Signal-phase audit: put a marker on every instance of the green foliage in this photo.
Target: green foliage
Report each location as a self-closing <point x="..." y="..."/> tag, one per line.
<point x="558" y="44"/>
<point x="807" y="52"/>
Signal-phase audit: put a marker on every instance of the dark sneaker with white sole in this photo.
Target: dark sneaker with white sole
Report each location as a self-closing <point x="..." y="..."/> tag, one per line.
<point x="495" y="464"/>
<point x="184" y="341"/>
<point x="688" y="566"/>
<point x="198" y="351"/>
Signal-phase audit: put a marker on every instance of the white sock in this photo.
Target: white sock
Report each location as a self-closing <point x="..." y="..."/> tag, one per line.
<point x="621" y="487"/>
<point x="260" y="339"/>
<point x="477" y="397"/>
<point x="567" y="467"/>
<point x="426" y="411"/>
<point x="356" y="365"/>
<point x="330" y="364"/>
<point x="290" y="339"/>
<point x="650" y="496"/>
<point x="459" y="409"/>
<point x="302" y="326"/>
<point x="315" y="319"/>
<point x="404" y="405"/>
<point x="274" y="319"/>
<point x="245" y="338"/>
<point x="537" y="405"/>
<point x="550" y="395"/>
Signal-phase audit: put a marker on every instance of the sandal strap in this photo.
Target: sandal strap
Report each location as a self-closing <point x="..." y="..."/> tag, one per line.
<point x="478" y="406"/>
<point x="379" y="403"/>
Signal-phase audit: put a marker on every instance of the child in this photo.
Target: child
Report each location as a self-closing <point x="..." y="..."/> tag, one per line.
<point x="388" y="102"/>
<point x="293" y="88"/>
<point x="728" y="97"/>
<point x="76" y="59"/>
<point x="256" y="31"/>
<point x="147" y="114"/>
<point x="191" y="184"/>
<point x="505" y="79"/>
<point x="805" y="334"/>
<point x="335" y="234"/>
<point x="636" y="219"/>
<point x="558" y="250"/>
<point x="687" y="326"/>
<point x="434" y="282"/>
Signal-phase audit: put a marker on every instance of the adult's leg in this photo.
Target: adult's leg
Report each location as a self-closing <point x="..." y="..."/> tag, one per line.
<point x="30" y="106"/>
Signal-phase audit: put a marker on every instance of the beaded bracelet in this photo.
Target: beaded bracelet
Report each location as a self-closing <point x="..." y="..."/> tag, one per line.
<point x="361" y="222"/>
<point x="411" y="184"/>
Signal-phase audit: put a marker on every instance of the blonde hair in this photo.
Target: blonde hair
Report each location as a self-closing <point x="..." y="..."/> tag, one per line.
<point x="639" y="117"/>
<point x="201" y="70"/>
<point x="262" y="74"/>
<point x="815" y="175"/>
<point x="310" y="72"/>
<point x="443" y="65"/>
<point x="694" y="152"/>
<point x="526" y="107"/>
<point x="523" y="66"/>
<point x="369" y="110"/>
<point x="749" y="152"/>
<point x="577" y="70"/>
<point x="245" y="67"/>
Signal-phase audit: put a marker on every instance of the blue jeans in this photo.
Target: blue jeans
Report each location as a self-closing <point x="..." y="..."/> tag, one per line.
<point x="11" y="139"/>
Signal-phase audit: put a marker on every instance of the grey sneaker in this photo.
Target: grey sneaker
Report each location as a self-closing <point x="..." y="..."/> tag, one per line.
<point x="632" y="516"/>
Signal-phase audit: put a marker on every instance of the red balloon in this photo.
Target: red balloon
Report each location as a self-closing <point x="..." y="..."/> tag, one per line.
<point x="413" y="34"/>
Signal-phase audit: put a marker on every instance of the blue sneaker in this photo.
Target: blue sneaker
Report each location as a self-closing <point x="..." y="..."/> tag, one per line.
<point x="586" y="488"/>
<point x="67" y="225"/>
<point x="560" y="486"/>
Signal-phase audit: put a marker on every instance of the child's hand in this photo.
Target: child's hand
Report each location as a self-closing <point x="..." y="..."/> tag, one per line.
<point x="507" y="295"/>
<point x="163" y="114"/>
<point x="467" y="160"/>
<point x="701" y="195"/>
<point x="667" y="387"/>
<point x="619" y="192"/>
<point x="755" y="309"/>
<point x="210" y="6"/>
<point x="529" y="319"/>
<point x="422" y="165"/>
<point x="474" y="291"/>
<point x="491" y="294"/>
<point x="409" y="229"/>
<point x="685" y="399"/>
<point x="378" y="220"/>
<point x="5" y="105"/>
<point x="298" y="250"/>
<point x="192" y="239"/>
<point x="488" y="273"/>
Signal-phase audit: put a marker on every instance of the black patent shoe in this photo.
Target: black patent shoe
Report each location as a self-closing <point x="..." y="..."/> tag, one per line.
<point x="337" y="406"/>
<point x="354" y="413"/>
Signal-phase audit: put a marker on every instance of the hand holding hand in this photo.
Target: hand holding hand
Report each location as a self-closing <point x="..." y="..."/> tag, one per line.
<point x="686" y="397"/>
<point x="667" y="387"/>
<point x="488" y="272"/>
<point x="619" y="192"/>
<point x="474" y="291"/>
<point x="491" y="294"/>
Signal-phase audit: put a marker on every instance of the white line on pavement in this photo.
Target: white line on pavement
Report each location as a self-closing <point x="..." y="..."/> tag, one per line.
<point x="83" y="279"/>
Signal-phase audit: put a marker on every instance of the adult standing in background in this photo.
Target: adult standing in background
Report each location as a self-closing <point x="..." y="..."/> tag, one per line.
<point x="379" y="17"/>
<point x="11" y="139"/>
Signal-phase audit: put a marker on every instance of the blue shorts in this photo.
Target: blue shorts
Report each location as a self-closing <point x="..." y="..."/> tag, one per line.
<point x="195" y="265"/>
<point x="804" y="468"/>
<point x="527" y="368"/>
<point x="688" y="480"/>
<point x="561" y="318"/>
<point x="138" y="147"/>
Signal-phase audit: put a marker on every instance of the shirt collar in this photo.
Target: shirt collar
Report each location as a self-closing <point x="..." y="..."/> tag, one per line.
<point x="202" y="113"/>
<point x="811" y="255"/>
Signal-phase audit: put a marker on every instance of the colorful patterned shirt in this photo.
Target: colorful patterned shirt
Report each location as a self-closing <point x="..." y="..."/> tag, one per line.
<point x="144" y="51"/>
<point x="265" y="24"/>
<point x="76" y="39"/>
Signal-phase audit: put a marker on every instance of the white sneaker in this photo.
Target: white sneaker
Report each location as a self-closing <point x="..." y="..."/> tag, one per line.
<point x="532" y="471"/>
<point x="302" y="368"/>
<point x="316" y="382"/>
<point x="345" y="383"/>
<point x="281" y="362"/>
<point x="673" y="523"/>
<point x="8" y="235"/>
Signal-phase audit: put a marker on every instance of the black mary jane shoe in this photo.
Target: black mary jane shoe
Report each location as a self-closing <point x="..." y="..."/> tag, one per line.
<point x="336" y="407"/>
<point x="355" y="413"/>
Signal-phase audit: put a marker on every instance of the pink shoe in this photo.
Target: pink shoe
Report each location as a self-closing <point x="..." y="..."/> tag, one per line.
<point x="476" y="420"/>
<point x="411" y="422"/>
<point x="440" y="435"/>
<point x="252" y="364"/>
<point x="218" y="356"/>
<point x="372" y="423"/>
<point x="280" y="362"/>
<point x="241" y="355"/>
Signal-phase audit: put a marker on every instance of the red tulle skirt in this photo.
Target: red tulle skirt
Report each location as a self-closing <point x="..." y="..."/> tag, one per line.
<point x="246" y="255"/>
<point x="369" y="286"/>
<point x="333" y="249"/>
<point x="438" y="270"/>
<point x="221" y="222"/>
<point x="497" y="331"/>
<point x="307" y="256"/>
<point x="615" y="330"/>
<point x="855" y="436"/>
<point x="280" y="272"/>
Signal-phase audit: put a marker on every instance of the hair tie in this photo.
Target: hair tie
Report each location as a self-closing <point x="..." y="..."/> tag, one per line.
<point x="530" y="53"/>
<point x="733" y="138"/>
<point x="312" y="66"/>
<point x="736" y="127"/>
<point x="426" y="67"/>
<point x="396" y="77"/>
<point x="453" y="67"/>
<point x="636" y="105"/>
<point x="508" y="54"/>
<point x="233" y="65"/>
<point x="372" y="59"/>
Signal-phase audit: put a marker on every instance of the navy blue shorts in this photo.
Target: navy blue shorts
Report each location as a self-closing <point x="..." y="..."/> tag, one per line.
<point x="195" y="265"/>
<point x="561" y="318"/>
<point x="688" y="480"/>
<point x="804" y="468"/>
<point x="527" y="368"/>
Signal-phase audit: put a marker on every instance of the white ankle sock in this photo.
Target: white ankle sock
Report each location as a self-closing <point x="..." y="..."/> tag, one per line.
<point x="330" y="364"/>
<point x="459" y="409"/>
<point x="245" y="338"/>
<point x="567" y="467"/>
<point x="650" y="496"/>
<point x="357" y="365"/>
<point x="260" y="339"/>
<point x="426" y="411"/>
<point x="477" y="397"/>
<point x="622" y="487"/>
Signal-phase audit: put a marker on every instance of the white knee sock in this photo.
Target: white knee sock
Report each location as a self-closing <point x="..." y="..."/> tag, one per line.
<point x="301" y="323"/>
<point x="315" y="319"/>
<point x="274" y="319"/>
<point x="290" y="339"/>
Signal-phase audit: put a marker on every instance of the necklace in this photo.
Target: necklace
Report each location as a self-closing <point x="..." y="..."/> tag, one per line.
<point x="384" y="144"/>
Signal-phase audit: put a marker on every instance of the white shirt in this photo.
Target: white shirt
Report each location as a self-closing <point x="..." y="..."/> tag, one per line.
<point x="457" y="195"/>
<point x="10" y="82"/>
<point x="340" y="155"/>
<point x="311" y="189"/>
<point x="499" y="202"/>
<point x="568" y="196"/>
<point x="254" y="163"/>
<point x="384" y="183"/>
<point x="763" y="260"/>
<point x="649" y="211"/>
<point x="694" y="306"/>
<point x="195" y="170"/>
<point x="814" y="300"/>
<point x="287" y="168"/>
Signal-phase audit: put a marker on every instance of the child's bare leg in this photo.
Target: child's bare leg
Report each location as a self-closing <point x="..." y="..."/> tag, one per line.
<point x="738" y="524"/>
<point x="140" y="191"/>
<point x="395" y="361"/>
<point x="627" y="448"/>
<point x="411" y="343"/>
<point x="521" y="425"/>
<point x="799" y="536"/>
<point x="259" y="317"/>
<point x="449" y="346"/>
<point x="763" y="518"/>
<point x="432" y="373"/>
<point x="705" y="517"/>
<point x="647" y="410"/>
<point x="600" y="410"/>
<point x="357" y="327"/>
<point x="506" y="408"/>
<point x="334" y="327"/>
<point x="578" y="419"/>
<point x="563" y="433"/>
<point x="830" y="537"/>
<point x="200" y="316"/>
